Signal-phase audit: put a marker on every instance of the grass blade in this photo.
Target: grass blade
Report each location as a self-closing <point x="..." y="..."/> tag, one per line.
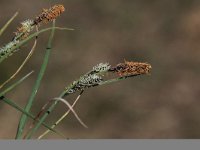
<point x="23" y="119"/>
<point x="50" y="109"/>
<point x="14" y="105"/>
<point x="61" y="118"/>
<point x="8" y="23"/>
<point x="21" y="66"/>
<point x="15" y="84"/>
<point x="72" y="110"/>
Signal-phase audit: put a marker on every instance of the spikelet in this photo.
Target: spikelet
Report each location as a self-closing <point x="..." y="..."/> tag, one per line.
<point x="28" y="25"/>
<point x="94" y="77"/>
<point x="6" y="50"/>
<point x="100" y="68"/>
<point x="84" y="82"/>
<point x="49" y="14"/>
<point x="90" y="80"/>
<point x="24" y="30"/>
<point x="131" y="68"/>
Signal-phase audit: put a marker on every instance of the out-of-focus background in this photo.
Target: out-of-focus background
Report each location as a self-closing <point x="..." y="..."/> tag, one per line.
<point x="164" y="33"/>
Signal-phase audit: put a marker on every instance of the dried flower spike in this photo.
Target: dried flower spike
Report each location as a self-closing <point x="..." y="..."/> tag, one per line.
<point x="131" y="68"/>
<point x="49" y="14"/>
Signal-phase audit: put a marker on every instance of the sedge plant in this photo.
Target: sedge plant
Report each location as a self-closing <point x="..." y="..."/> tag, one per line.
<point x="29" y="30"/>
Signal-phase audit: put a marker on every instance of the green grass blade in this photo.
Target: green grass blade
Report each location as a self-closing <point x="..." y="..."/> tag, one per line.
<point x="14" y="105"/>
<point x="15" y="84"/>
<point x="37" y="84"/>
<point x="8" y="23"/>
<point x="19" y="108"/>
<point x="42" y="119"/>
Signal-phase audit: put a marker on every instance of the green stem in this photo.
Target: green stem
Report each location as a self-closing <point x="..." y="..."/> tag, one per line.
<point x="50" y="109"/>
<point x="23" y="119"/>
<point x="11" y="103"/>
<point x="15" y="84"/>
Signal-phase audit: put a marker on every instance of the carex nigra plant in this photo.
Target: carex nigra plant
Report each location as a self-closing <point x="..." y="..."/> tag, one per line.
<point x="28" y="30"/>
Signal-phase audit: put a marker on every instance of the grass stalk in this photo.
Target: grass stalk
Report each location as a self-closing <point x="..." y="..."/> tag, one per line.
<point x="8" y="23"/>
<point x="61" y="118"/>
<point x="23" y="118"/>
<point x="15" y="84"/>
<point x="21" y="66"/>
<point x="42" y="119"/>
<point x="14" y="105"/>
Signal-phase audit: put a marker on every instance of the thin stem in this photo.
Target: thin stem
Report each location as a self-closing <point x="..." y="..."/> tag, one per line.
<point x="61" y="118"/>
<point x="14" y="105"/>
<point x="23" y="119"/>
<point x="8" y="23"/>
<point x="15" y="84"/>
<point x="22" y="65"/>
<point x="72" y="110"/>
<point x="44" y="116"/>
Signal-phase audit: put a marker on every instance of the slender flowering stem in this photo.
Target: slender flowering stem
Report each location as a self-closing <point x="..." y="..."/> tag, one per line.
<point x="92" y="79"/>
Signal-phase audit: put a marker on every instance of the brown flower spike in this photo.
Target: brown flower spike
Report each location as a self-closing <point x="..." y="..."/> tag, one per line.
<point x="129" y="68"/>
<point x="46" y="16"/>
<point x="49" y="14"/>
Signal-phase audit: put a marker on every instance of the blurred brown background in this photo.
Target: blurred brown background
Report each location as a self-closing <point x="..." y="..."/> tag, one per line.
<point x="164" y="33"/>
